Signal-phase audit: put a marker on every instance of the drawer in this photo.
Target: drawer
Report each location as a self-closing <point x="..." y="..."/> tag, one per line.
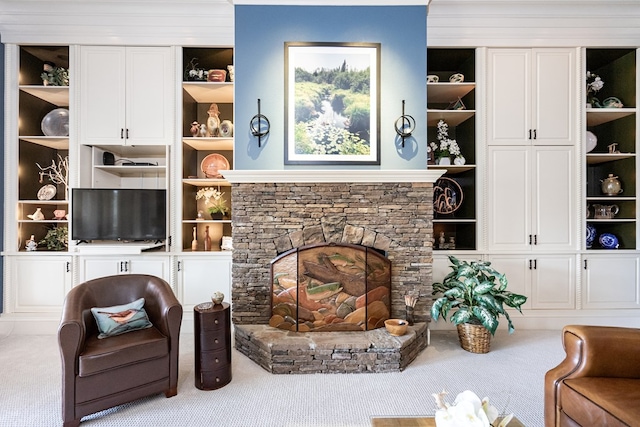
<point x="214" y="360"/>
<point x="214" y="321"/>
<point x="213" y="340"/>
<point x="215" y="379"/>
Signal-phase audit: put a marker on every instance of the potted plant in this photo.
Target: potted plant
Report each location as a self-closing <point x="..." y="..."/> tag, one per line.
<point x="477" y="294"/>
<point x="56" y="239"/>
<point x="54" y="76"/>
<point x="214" y="198"/>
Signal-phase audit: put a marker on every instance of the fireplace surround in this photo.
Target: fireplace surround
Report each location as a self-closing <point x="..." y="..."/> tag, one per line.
<point x="276" y="211"/>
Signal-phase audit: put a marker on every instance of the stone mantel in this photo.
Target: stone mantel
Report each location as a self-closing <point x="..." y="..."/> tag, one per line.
<point x="338" y="176"/>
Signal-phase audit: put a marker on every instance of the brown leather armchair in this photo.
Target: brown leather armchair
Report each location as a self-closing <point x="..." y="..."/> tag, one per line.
<point x="598" y="382"/>
<point x="101" y="373"/>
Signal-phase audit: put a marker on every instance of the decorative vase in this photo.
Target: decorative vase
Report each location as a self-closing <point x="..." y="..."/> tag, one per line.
<point x="37" y="215"/>
<point x="31" y="244"/>
<point x="194" y="242"/>
<point x="217" y="215"/>
<point x="443" y="161"/>
<point x="460" y="160"/>
<point x="217" y="297"/>
<point x="207" y="239"/>
<point x="474" y="338"/>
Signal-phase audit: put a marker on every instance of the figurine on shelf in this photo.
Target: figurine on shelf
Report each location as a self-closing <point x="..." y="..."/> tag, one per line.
<point x="203" y="130"/>
<point x="441" y="241"/>
<point x="213" y="122"/>
<point x="195" y="128"/>
<point x="207" y="239"/>
<point x="31" y="244"/>
<point x="200" y="216"/>
<point x="37" y="215"/>
<point x="194" y="242"/>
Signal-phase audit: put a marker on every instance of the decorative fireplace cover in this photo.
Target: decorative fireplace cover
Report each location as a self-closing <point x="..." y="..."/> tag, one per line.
<point x="330" y="287"/>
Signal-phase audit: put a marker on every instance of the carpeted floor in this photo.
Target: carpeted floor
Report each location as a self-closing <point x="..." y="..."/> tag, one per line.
<point x="511" y="375"/>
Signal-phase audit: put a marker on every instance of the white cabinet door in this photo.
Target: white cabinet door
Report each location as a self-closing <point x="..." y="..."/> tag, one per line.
<point x="102" y="95"/>
<point x="611" y="281"/>
<point x="150" y="96"/>
<point x="200" y="277"/>
<point x="548" y="281"/>
<point x="41" y="283"/>
<point x="126" y="96"/>
<point x="94" y="267"/>
<point x="531" y="198"/>
<point x="531" y="96"/>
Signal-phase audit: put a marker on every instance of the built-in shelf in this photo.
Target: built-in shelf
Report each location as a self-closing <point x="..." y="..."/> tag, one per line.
<point x="54" y="142"/>
<point x="452" y="117"/>
<point x="202" y="92"/>
<point x="594" y="159"/>
<point x="204" y="144"/>
<point x="454" y="169"/>
<point x="598" y="116"/>
<point x="56" y="95"/>
<point x="132" y="170"/>
<point x="439" y="93"/>
<point x="206" y="182"/>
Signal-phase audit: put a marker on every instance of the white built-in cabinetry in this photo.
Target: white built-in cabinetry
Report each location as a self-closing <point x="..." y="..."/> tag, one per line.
<point x="532" y="96"/>
<point x="43" y="281"/>
<point x="92" y="267"/>
<point x="126" y="95"/>
<point x="531" y="198"/>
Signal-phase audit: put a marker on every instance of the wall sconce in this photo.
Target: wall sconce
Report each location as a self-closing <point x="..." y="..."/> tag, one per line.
<point x="405" y="124"/>
<point x="259" y="125"/>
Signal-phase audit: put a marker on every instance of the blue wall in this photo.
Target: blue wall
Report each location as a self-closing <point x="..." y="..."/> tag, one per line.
<point x="260" y="34"/>
<point x="1" y="172"/>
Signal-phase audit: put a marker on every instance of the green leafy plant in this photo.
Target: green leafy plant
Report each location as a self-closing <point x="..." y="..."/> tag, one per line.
<point x="56" y="239"/>
<point x="55" y="76"/>
<point x="476" y="293"/>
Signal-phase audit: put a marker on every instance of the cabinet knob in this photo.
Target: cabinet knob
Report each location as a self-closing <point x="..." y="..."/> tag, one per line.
<point x="216" y="321"/>
<point x="217" y="360"/>
<point x="215" y="340"/>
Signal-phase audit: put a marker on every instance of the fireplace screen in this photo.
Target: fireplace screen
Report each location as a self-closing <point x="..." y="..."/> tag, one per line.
<point x="330" y="287"/>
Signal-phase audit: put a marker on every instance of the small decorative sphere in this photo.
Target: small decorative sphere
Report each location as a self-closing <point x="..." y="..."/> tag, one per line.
<point x="217" y="297"/>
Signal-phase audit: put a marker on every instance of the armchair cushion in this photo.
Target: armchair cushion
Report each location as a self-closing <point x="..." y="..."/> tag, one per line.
<point x="121" y="350"/>
<point x="120" y="319"/>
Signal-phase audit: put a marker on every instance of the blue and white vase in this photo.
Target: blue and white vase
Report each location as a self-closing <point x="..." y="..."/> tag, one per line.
<point x="591" y="235"/>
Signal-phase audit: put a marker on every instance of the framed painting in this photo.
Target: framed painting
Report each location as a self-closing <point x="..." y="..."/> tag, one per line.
<point x="332" y="103"/>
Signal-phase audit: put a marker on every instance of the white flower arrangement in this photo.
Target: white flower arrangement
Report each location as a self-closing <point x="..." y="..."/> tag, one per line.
<point x="213" y="196"/>
<point x="467" y="411"/>
<point x="445" y="146"/>
<point x="594" y="85"/>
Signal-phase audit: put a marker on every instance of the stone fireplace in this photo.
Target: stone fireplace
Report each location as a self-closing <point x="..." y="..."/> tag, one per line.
<point x="277" y="211"/>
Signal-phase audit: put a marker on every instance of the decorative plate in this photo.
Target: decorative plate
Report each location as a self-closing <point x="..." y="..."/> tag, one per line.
<point x="47" y="192"/>
<point x="447" y="196"/>
<point x="56" y="123"/>
<point x="212" y="164"/>
<point x="592" y="141"/>
<point x="609" y="241"/>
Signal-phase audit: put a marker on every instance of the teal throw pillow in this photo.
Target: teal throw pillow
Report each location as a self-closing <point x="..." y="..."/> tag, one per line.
<point x="120" y="319"/>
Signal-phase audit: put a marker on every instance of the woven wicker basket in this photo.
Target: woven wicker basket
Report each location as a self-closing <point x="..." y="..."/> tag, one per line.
<point x="474" y="338"/>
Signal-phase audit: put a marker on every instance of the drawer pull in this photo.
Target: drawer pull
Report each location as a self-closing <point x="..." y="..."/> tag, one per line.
<point x="216" y="321"/>
<point x="215" y="340"/>
<point x="217" y="360"/>
<point x="217" y="379"/>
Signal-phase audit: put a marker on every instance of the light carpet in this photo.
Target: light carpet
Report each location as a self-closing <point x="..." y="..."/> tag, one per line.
<point x="511" y="375"/>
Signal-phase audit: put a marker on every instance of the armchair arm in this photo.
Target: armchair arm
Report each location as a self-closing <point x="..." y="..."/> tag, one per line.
<point x="592" y="351"/>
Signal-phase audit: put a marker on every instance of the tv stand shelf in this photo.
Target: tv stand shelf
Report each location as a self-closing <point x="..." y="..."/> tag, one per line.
<point x="117" y="248"/>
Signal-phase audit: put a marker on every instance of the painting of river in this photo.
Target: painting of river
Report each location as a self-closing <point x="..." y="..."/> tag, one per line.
<point x="330" y="287"/>
<point x="332" y="102"/>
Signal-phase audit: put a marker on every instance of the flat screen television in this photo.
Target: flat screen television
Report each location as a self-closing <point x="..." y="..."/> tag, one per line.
<point x="118" y="214"/>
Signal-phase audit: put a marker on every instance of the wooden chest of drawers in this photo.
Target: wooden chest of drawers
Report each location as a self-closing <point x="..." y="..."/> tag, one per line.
<point x="212" y="336"/>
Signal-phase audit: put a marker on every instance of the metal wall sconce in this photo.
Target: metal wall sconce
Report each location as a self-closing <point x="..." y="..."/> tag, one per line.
<point x="260" y="125"/>
<point x="405" y="124"/>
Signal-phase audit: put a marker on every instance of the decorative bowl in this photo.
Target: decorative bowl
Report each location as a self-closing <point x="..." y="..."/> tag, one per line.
<point x="609" y="241"/>
<point x="396" y="327"/>
<point x="592" y="141"/>
<point x="217" y="75"/>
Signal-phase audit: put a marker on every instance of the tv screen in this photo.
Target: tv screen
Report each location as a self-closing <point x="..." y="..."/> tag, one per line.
<point x="118" y="214"/>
